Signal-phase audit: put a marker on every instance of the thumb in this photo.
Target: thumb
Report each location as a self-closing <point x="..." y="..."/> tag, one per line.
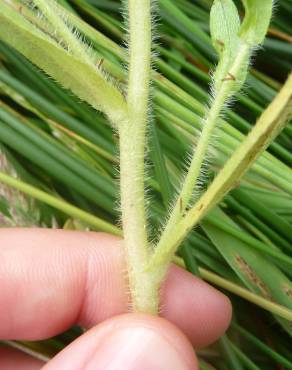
<point x="128" y="342"/>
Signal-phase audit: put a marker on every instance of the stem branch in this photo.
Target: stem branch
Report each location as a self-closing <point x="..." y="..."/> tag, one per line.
<point x="165" y="249"/>
<point x="269" y="125"/>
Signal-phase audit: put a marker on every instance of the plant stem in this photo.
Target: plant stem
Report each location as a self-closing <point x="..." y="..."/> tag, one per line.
<point x="268" y="126"/>
<point x="132" y="152"/>
<point x="225" y="90"/>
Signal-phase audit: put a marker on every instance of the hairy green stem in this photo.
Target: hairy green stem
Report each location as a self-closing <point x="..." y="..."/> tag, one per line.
<point x="225" y="91"/>
<point x="132" y="152"/>
<point x="268" y="126"/>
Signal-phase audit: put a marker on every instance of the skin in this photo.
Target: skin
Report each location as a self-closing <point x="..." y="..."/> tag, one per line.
<point x="52" y="279"/>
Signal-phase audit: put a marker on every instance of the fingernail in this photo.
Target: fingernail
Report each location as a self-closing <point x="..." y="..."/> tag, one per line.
<point x="136" y="349"/>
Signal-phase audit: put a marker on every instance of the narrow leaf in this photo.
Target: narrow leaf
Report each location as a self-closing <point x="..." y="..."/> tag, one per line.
<point x="95" y="222"/>
<point x="257" y="18"/>
<point x="257" y="273"/>
<point x="224" y="26"/>
<point x="84" y="79"/>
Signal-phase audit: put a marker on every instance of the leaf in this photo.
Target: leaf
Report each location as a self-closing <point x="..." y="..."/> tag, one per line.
<point x="257" y="273"/>
<point x="95" y="222"/>
<point x="257" y="18"/>
<point x="224" y="26"/>
<point x="4" y="207"/>
<point x="230" y="38"/>
<point x="84" y="79"/>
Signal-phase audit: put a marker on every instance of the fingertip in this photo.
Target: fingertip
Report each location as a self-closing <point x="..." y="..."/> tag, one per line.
<point x="12" y="359"/>
<point x="132" y="342"/>
<point x="202" y="312"/>
<point x="83" y="283"/>
<point x="86" y="283"/>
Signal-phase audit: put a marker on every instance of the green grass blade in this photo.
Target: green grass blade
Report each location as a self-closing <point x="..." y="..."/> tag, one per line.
<point x="256" y="272"/>
<point x="84" y="79"/>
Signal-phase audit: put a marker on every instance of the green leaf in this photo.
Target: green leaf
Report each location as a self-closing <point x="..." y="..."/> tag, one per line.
<point x="224" y="27"/>
<point x="4" y="207"/>
<point x="257" y="273"/>
<point x="84" y="79"/>
<point x="257" y="18"/>
<point x="95" y="222"/>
